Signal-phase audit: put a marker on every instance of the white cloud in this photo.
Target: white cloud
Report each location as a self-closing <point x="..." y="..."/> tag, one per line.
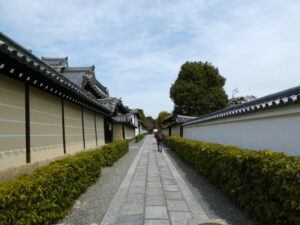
<point x="138" y="46"/>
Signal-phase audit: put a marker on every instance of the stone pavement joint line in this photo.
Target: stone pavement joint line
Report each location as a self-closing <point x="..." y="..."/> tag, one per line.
<point x="154" y="193"/>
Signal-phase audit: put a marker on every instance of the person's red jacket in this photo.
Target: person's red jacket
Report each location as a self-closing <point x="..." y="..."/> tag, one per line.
<point x="159" y="136"/>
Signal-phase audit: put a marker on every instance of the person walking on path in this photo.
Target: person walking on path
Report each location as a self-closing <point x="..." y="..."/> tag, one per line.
<point x="159" y="136"/>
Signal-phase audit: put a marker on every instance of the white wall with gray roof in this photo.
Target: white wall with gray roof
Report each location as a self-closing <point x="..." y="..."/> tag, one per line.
<point x="276" y="129"/>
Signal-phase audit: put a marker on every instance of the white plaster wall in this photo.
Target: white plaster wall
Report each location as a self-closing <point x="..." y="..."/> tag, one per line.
<point x="117" y="132"/>
<point x="277" y="130"/>
<point x="89" y="129"/>
<point x="100" y="129"/>
<point x="143" y="131"/>
<point x="165" y="131"/>
<point x="129" y="132"/>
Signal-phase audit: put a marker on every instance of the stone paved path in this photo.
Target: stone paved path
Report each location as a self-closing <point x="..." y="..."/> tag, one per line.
<point x="154" y="193"/>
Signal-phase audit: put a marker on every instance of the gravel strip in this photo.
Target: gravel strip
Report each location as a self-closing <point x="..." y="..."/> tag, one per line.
<point x="91" y="206"/>
<point x="215" y="203"/>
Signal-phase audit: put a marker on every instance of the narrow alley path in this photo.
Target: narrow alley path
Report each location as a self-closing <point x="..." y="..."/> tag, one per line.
<point x="156" y="190"/>
<point x="154" y="193"/>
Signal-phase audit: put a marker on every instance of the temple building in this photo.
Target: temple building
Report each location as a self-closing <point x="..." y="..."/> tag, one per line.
<point x="49" y="110"/>
<point x="174" y="125"/>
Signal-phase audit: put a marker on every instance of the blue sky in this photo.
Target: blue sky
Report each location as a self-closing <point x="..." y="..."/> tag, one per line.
<point x="138" y="46"/>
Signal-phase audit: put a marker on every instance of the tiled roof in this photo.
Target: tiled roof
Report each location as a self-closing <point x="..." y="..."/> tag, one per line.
<point x="136" y="112"/>
<point x="120" y="118"/>
<point x="183" y="119"/>
<point x="123" y="119"/>
<point x="178" y="118"/>
<point x="112" y="103"/>
<point x="78" y="79"/>
<point x="63" y="87"/>
<point x="59" y="64"/>
<point x="83" y="76"/>
<point x="280" y="99"/>
<point x="55" y="61"/>
<point x="80" y="76"/>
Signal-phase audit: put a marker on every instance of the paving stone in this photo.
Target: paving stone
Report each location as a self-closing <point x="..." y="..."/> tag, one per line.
<point x="136" y="190"/>
<point x="155" y="200"/>
<point x="139" y="183"/>
<point x="154" y="184"/>
<point x="154" y="191"/>
<point x="173" y="195"/>
<point x="131" y="220"/>
<point x="177" y="205"/>
<point x="168" y="181"/>
<point x="136" y="198"/>
<point x="139" y="177"/>
<point x="171" y="187"/>
<point x="140" y="173"/>
<point x="156" y="212"/>
<point x="163" y="173"/>
<point x="133" y="209"/>
<point x="153" y="179"/>
<point x="153" y="176"/>
<point x="180" y="218"/>
<point x="157" y="222"/>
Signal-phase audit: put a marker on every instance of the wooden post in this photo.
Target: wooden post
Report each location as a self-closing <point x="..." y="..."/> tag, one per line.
<point x="27" y="123"/>
<point x="181" y="130"/>
<point x="112" y="131"/>
<point x="95" y="119"/>
<point x="82" y="118"/>
<point x="123" y="131"/>
<point x="63" y="124"/>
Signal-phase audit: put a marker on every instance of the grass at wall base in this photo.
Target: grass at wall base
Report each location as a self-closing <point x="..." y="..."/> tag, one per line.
<point x="45" y="195"/>
<point x="265" y="184"/>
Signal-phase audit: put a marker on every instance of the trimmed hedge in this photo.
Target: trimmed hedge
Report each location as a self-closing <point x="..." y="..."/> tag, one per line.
<point x="139" y="137"/>
<point x="44" y="196"/>
<point x="265" y="184"/>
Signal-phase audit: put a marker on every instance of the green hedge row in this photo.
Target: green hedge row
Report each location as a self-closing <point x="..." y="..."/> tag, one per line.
<point x="43" y="196"/>
<point x="265" y="184"/>
<point x="140" y="137"/>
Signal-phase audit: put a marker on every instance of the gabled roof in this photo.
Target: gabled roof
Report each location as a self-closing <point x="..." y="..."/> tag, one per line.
<point x="280" y="99"/>
<point x="178" y="118"/>
<point x="57" y="63"/>
<point x="114" y="104"/>
<point x="123" y="119"/>
<point x="136" y="112"/>
<point x="80" y="76"/>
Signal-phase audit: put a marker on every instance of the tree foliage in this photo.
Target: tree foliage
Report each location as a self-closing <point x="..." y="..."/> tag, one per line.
<point x="160" y="118"/>
<point x="198" y="89"/>
<point x="240" y="99"/>
<point x="142" y="114"/>
<point x="149" y="122"/>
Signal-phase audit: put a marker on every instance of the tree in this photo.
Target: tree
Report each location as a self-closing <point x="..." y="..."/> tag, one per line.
<point x="149" y="122"/>
<point x="142" y="114"/>
<point x="160" y="118"/>
<point x="198" y="90"/>
<point x="240" y="99"/>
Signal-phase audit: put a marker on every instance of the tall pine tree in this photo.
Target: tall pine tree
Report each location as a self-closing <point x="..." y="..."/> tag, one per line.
<point x="198" y="90"/>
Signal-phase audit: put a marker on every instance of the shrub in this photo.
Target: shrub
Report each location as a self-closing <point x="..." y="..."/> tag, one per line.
<point x="139" y="137"/>
<point x="265" y="184"/>
<point x="44" y="196"/>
